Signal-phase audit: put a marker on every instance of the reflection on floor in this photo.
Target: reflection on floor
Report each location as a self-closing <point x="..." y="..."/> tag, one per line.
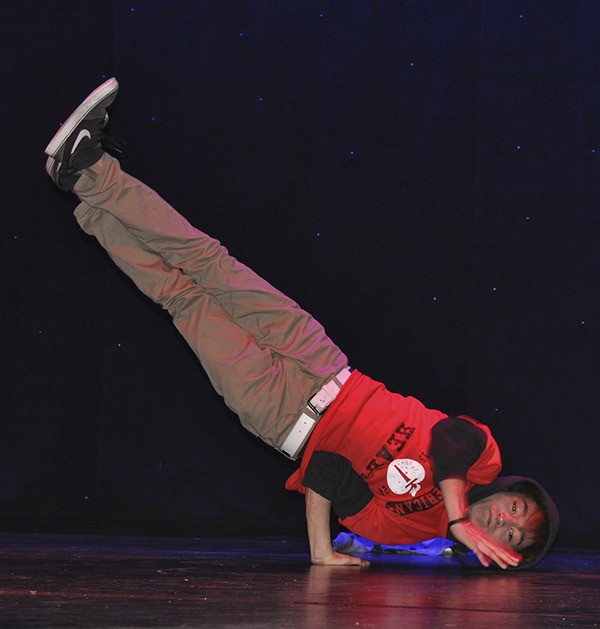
<point x="74" y="581"/>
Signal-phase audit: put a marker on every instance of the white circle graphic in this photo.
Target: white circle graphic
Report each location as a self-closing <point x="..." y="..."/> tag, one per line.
<point x="404" y="476"/>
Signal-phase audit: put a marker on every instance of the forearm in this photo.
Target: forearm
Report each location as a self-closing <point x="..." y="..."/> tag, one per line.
<point x="318" y="513"/>
<point x="455" y="497"/>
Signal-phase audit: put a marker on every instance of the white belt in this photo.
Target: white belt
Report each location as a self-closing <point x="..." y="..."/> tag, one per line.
<point x="316" y="406"/>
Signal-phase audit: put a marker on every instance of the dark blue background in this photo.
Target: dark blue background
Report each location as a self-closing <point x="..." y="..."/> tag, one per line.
<point x="421" y="175"/>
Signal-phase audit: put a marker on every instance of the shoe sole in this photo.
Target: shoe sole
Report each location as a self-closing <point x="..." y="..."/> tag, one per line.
<point x="100" y="93"/>
<point x="49" y="163"/>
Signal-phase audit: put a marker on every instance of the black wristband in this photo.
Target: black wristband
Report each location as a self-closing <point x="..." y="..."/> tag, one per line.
<point x="464" y="519"/>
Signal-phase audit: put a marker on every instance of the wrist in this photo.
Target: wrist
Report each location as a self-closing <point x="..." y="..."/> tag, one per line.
<point x="462" y="520"/>
<point x="320" y="555"/>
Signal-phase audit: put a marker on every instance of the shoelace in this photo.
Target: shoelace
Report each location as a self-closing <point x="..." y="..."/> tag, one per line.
<point x="113" y="143"/>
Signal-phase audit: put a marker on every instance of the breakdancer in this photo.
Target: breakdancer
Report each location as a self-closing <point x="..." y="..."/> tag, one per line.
<point x="391" y="469"/>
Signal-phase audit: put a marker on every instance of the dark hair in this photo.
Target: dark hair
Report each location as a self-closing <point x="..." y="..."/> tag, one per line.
<point x="538" y="524"/>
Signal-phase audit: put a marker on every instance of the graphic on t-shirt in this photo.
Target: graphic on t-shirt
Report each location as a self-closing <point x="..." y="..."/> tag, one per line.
<point x="404" y="476"/>
<point x="428" y="501"/>
<point x="392" y="447"/>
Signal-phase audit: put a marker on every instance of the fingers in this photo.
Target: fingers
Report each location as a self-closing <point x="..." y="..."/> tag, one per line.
<point x="504" y="556"/>
<point x="486" y="548"/>
<point x="484" y="560"/>
<point x="488" y="551"/>
<point x="337" y="559"/>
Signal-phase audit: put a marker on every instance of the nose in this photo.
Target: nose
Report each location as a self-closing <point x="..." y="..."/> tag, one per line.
<point x="505" y="519"/>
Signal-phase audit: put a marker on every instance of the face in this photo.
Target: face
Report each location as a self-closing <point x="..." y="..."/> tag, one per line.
<point x="505" y="516"/>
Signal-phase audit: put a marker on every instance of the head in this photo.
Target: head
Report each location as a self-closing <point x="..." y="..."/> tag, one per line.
<point x="512" y="517"/>
<point x="517" y="511"/>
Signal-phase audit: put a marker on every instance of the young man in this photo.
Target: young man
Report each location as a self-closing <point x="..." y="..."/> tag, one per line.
<point x="393" y="470"/>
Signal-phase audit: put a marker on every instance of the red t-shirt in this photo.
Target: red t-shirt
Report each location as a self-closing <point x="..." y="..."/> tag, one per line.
<point x="386" y="437"/>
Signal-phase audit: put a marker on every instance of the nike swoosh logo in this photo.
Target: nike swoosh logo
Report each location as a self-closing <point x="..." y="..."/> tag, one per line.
<point x="84" y="133"/>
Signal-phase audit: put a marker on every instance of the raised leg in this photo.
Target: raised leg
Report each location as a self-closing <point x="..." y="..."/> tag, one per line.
<point x="263" y="353"/>
<point x="274" y="320"/>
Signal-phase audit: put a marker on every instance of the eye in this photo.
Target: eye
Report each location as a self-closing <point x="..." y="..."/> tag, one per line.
<point x="511" y="534"/>
<point x="514" y="508"/>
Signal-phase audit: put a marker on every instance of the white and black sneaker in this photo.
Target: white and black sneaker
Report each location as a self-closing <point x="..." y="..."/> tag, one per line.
<point x="78" y="142"/>
<point x="65" y="177"/>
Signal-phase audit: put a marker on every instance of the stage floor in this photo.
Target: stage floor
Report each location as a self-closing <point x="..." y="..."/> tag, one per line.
<point x="79" y="581"/>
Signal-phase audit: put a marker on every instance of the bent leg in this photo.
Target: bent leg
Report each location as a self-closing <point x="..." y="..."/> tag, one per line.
<point x="266" y="390"/>
<point x="276" y="322"/>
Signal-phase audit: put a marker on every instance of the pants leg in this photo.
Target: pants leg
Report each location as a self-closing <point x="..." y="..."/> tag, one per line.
<point x="263" y="353"/>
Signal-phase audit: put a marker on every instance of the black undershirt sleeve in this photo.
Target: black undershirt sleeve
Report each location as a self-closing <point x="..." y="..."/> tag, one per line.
<point x="456" y="444"/>
<point x="333" y="477"/>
